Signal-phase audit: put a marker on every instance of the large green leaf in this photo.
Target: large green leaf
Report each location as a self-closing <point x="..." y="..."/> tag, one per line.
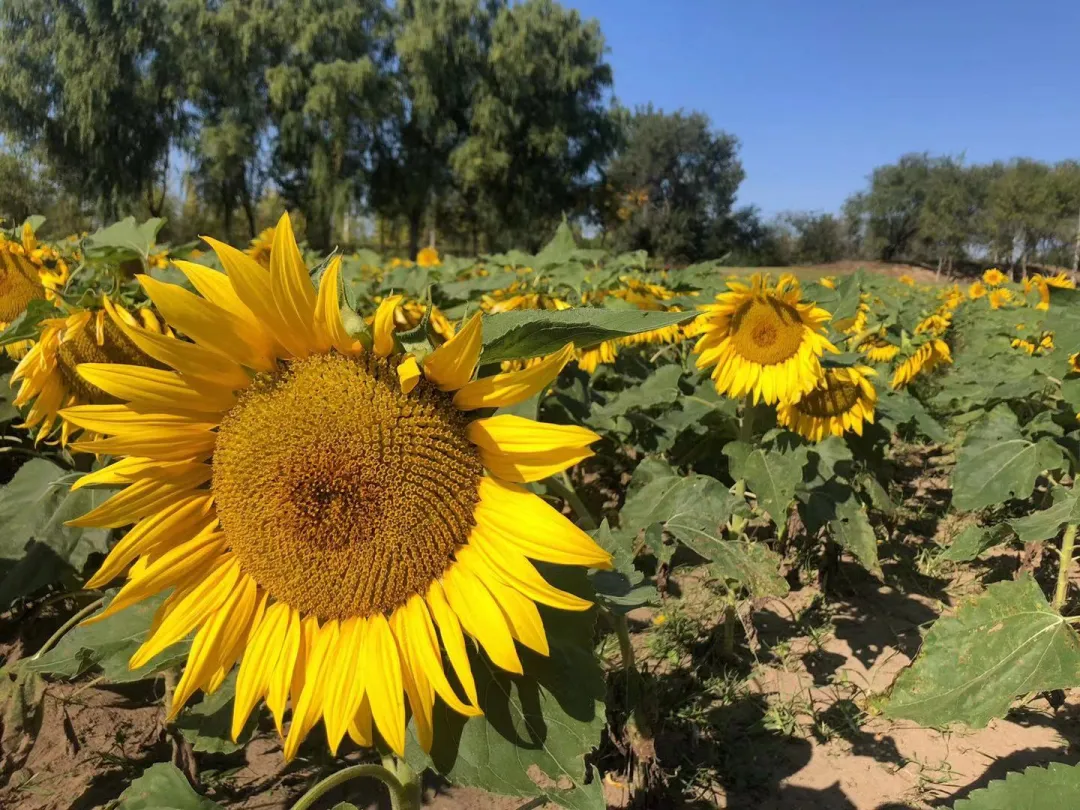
<point x="537" y="729"/>
<point x="773" y="477"/>
<point x="990" y="475"/>
<point x="1006" y="642"/>
<point x="623" y="588"/>
<point x="851" y="529"/>
<point x="659" y="388"/>
<point x="35" y="545"/>
<point x="1046" y="523"/>
<point x="163" y="787"/>
<point x="973" y="541"/>
<point x="124" y="240"/>
<point x="108" y="645"/>
<point x="1054" y="788"/>
<point x="534" y="332"/>
<point x="208" y="724"/>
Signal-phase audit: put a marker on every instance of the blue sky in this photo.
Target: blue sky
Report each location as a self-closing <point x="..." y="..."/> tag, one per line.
<point x="819" y="93"/>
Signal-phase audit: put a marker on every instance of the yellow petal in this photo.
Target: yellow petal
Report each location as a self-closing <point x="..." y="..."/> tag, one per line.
<point x="328" y="312"/>
<point x="293" y="292"/>
<point x="514" y="569"/>
<point x="345" y="681"/>
<point x="523" y="520"/>
<point x="481" y="616"/>
<point x="512" y="387"/>
<point x="153" y="389"/>
<point x="209" y="325"/>
<point x="164" y="444"/>
<point x="452" y="638"/>
<point x="189" y="359"/>
<point x="287" y="674"/>
<point x="309" y="707"/>
<point x="129" y="470"/>
<point x="451" y="365"/>
<point x="257" y="665"/>
<point x="408" y="374"/>
<point x="114" y="419"/>
<point x="216" y="288"/>
<point x="522" y="450"/>
<point x="420" y="647"/>
<point x="144" y="497"/>
<point x="384" y="685"/>
<point x="384" y="330"/>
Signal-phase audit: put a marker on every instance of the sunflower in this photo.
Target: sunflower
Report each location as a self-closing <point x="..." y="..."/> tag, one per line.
<point x="1074" y="363"/>
<point x="976" y="290"/>
<point x="259" y="249"/>
<point x="47" y="379"/>
<point x="410" y="314"/>
<point x="334" y="517"/>
<point x="1023" y="344"/>
<point x="828" y="282"/>
<point x="763" y="340"/>
<point x="589" y="360"/>
<point x="994" y="277"/>
<point x="878" y="350"/>
<point x="999" y="297"/>
<point x="936" y="324"/>
<point x="908" y="280"/>
<point x="844" y="400"/>
<point x="428" y="257"/>
<point x="28" y="272"/>
<point x="924" y="360"/>
<point x="1061" y="281"/>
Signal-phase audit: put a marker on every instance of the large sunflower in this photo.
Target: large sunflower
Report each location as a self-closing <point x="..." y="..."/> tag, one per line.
<point x="763" y="340"/>
<point x="926" y="358"/>
<point x="314" y="520"/>
<point x="46" y="377"/>
<point x="28" y="271"/>
<point x="843" y="401"/>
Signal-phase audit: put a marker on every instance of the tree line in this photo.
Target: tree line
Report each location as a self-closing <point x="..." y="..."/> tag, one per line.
<point x="485" y="121"/>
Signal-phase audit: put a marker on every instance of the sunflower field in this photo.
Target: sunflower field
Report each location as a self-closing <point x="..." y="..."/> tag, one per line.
<point x="286" y="530"/>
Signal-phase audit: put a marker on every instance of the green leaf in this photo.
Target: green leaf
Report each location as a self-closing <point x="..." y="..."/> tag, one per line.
<point x="623" y="588"/>
<point x="973" y="541"/>
<point x="537" y="728"/>
<point x="991" y="475"/>
<point x="659" y="388"/>
<point x="1006" y="642"/>
<point x="560" y="249"/>
<point x="124" y="240"/>
<point x="852" y="531"/>
<point x="528" y="333"/>
<point x="25" y="325"/>
<point x="896" y="408"/>
<point x="163" y="787"/>
<point x="1054" y="788"/>
<point x="208" y="724"/>
<point x="752" y="565"/>
<point x="773" y="477"/>
<point x="1047" y="523"/>
<point x="35" y="545"/>
<point x="108" y="645"/>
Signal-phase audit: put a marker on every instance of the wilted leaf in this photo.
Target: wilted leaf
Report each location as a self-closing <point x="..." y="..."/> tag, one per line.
<point x="21" y="692"/>
<point x="1006" y="642"/>
<point x="163" y="787"/>
<point x="1054" y="788"/>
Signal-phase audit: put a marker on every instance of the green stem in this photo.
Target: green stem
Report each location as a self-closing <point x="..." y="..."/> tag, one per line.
<point x="731" y="616"/>
<point x="746" y="422"/>
<point x="638" y="727"/>
<point x="565" y="490"/>
<point x="1068" y="544"/>
<point x="74" y="620"/>
<point x="399" y="797"/>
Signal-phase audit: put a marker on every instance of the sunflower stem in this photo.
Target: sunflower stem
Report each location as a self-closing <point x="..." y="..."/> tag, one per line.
<point x="638" y="727"/>
<point x="746" y="422"/>
<point x="731" y="616"/>
<point x="74" y="620"/>
<point x="564" y="488"/>
<point x="399" y="796"/>
<point x="1068" y="544"/>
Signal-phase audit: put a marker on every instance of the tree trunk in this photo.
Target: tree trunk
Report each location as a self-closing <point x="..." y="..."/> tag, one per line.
<point x="937" y="275"/>
<point x="414" y="234"/>
<point x="1076" y="249"/>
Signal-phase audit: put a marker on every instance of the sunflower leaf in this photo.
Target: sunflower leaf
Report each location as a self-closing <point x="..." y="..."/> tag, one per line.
<point x="537" y="729"/>
<point x="851" y="529"/>
<point x="522" y="334"/>
<point x="773" y="477"/>
<point x="163" y="787"/>
<point x="1033" y="789"/>
<point x="1045" y="524"/>
<point x="1005" y="642"/>
<point x="36" y="547"/>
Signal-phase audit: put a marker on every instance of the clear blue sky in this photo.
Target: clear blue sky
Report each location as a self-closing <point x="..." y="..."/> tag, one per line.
<point x="819" y="93"/>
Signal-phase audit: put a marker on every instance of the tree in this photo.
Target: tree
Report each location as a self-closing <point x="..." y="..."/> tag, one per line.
<point x="24" y="191"/>
<point x="947" y="220"/>
<point x="92" y="85"/>
<point x="441" y="48"/>
<point x="539" y="127"/>
<point x="226" y="48"/>
<point x="685" y="174"/>
<point x="892" y="206"/>
<point x="328" y="97"/>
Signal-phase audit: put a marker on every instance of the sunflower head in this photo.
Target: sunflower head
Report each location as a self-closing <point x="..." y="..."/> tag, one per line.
<point x="428" y="257"/>
<point x="999" y="297"/>
<point x="844" y="400"/>
<point x="908" y="280"/>
<point x="763" y="340"/>
<point x="1074" y="363"/>
<point x="339" y="519"/>
<point x="259" y="249"/>
<point x="1061" y="281"/>
<point x="994" y="277"/>
<point x="924" y="360"/>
